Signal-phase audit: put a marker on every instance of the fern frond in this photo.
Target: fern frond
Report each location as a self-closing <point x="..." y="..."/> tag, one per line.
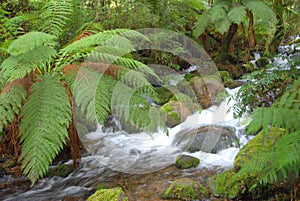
<point x="56" y="15"/>
<point x="284" y="113"/>
<point x="43" y="129"/>
<point x="101" y="56"/>
<point x="222" y="25"/>
<point x="16" y="67"/>
<point x="237" y="14"/>
<point x="278" y="162"/>
<point x="100" y="39"/>
<point x="84" y="92"/>
<point x="201" y="24"/>
<point x="30" y="41"/>
<point x="103" y="97"/>
<point x="11" y="104"/>
<point x="261" y="10"/>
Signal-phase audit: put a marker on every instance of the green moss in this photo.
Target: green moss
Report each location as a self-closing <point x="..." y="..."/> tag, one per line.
<point x="225" y="76"/>
<point x="115" y="194"/>
<point x="228" y="184"/>
<point x="185" y="189"/>
<point x="62" y="170"/>
<point x="185" y="161"/>
<point x="164" y="95"/>
<point x="259" y="144"/>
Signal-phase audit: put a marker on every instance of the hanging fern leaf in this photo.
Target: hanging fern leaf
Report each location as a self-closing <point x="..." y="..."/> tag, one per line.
<point x="261" y="10"/>
<point x="56" y="15"/>
<point x="101" y="56"/>
<point x="29" y="42"/>
<point x="284" y="113"/>
<point x="43" y="129"/>
<point x="11" y="104"/>
<point x="222" y="25"/>
<point x="84" y="92"/>
<point x="237" y="14"/>
<point x="201" y="24"/>
<point x="16" y="67"/>
<point x="103" y="96"/>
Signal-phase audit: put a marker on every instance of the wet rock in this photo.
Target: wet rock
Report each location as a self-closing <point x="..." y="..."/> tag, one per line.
<point x="62" y="170"/>
<point x="207" y="90"/>
<point x="73" y="198"/>
<point x="226" y="79"/>
<point x="185" y="189"/>
<point x="112" y="124"/>
<point x="2" y="172"/>
<point x="175" y="112"/>
<point x="186" y="161"/>
<point x="164" y="94"/>
<point x="258" y="145"/>
<point x="262" y="62"/>
<point x="114" y="194"/>
<point x="210" y="139"/>
<point x="227" y="184"/>
<point x="235" y="84"/>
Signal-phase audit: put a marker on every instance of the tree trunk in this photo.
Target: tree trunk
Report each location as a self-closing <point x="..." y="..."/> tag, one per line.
<point x="228" y="41"/>
<point x="251" y="36"/>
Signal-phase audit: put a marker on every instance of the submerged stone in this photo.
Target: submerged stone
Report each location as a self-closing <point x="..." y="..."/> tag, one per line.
<point x="114" y="194"/>
<point x="185" y="189"/>
<point x="62" y="170"/>
<point x="186" y="161"/>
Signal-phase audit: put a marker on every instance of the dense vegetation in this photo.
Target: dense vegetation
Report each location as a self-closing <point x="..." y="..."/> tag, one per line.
<point x="44" y="73"/>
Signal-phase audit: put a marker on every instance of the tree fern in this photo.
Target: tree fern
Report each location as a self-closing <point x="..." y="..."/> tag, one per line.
<point x="283" y="158"/>
<point x="44" y="125"/>
<point x="11" y="104"/>
<point x="56" y="15"/>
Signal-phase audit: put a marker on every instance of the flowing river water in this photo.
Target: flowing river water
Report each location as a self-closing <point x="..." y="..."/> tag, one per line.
<point x="141" y="164"/>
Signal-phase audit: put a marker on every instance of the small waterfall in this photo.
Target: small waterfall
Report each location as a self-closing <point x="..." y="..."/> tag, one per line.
<point x="115" y="152"/>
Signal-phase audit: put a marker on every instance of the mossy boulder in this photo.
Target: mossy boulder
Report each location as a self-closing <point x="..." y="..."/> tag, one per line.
<point x="228" y="184"/>
<point x="175" y="112"/>
<point x="185" y="189"/>
<point x="164" y="94"/>
<point x="62" y="170"/>
<point x="258" y="145"/>
<point x="114" y="194"/>
<point x="262" y="62"/>
<point x="186" y="161"/>
<point x="225" y="76"/>
<point x="207" y="90"/>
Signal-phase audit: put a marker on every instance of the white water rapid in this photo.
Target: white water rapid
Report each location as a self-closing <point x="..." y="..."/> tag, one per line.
<point x="112" y="153"/>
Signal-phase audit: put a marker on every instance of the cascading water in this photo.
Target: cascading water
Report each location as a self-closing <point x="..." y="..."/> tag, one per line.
<point x="115" y="153"/>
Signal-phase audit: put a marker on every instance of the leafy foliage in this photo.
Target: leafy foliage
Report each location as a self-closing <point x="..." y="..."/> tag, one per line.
<point x="56" y="15"/>
<point x="43" y="130"/>
<point x="283" y="159"/>
<point x="11" y="103"/>
<point x="225" y="12"/>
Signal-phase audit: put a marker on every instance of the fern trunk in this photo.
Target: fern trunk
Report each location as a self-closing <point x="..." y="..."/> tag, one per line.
<point x="251" y="34"/>
<point x="225" y="55"/>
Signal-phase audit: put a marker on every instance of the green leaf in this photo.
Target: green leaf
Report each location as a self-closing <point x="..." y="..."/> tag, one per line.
<point x="16" y="67"/>
<point x="222" y="25"/>
<point x="237" y="14"/>
<point x="29" y="42"/>
<point x="43" y="129"/>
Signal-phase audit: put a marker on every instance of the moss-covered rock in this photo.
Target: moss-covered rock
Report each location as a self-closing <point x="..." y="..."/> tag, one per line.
<point x="258" y="145"/>
<point x="227" y="184"/>
<point x="62" y="170"/>
<point x="164" y="94"/>
<point x="207" y="90"/>
<point x="186" y="161"/>
<point x="262" y="62"/>
<point x="225" y="76"/>
<point x="175" y="112"/>
<point x="185" y="189"/>
<point x="114" y="194"/>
